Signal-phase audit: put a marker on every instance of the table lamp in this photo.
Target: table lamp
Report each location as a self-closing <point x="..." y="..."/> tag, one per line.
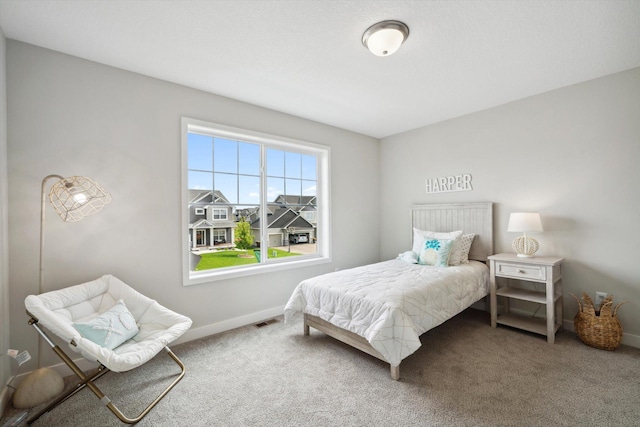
<point x="524" y="222"/>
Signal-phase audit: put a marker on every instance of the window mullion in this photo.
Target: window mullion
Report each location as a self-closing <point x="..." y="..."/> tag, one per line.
<point x="264" y="228"/>
<point x="237" y="172"/>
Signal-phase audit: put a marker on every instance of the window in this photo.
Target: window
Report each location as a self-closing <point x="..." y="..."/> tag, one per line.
<point x="200" y="238"/>
<point x="268" y="199"/>
<point x="309" y="216"/>
<point x="219" y="236"/>
<point x="199" y="211"/>
<point x="220" y="214"/>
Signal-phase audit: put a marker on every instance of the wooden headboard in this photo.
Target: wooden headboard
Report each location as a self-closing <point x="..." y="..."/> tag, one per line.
<point x="470" y="217"/>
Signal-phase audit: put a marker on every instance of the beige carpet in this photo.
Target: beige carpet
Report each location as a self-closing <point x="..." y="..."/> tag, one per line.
<point x="465" y="374"/>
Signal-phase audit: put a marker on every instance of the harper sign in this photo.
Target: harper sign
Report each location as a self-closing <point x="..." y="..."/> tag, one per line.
<point x="445" y="184"/>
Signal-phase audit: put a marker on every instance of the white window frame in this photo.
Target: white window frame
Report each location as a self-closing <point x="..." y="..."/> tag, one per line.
<point x="323" y="214"/>
<point x="213" y="214"/>
<point x="309" y="215"/>
<point x="199" y="211"/>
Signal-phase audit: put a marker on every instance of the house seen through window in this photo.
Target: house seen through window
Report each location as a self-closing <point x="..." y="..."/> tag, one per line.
<point x="253" y="200"/>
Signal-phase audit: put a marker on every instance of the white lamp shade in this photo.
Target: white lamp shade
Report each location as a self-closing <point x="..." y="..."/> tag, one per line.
<point x="524" y="222"/>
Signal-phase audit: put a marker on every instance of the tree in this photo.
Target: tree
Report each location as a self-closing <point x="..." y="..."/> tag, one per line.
<point x="244" y="237"/>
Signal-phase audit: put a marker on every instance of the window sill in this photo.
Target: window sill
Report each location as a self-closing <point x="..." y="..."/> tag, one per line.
<point x="198" y="278"/>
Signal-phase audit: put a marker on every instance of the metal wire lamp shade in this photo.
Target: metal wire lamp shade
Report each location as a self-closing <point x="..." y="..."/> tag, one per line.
<point x="75" y="197"/>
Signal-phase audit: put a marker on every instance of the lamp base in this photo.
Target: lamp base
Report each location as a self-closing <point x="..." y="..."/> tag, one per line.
<point x="525" y="246"/>
<point x="38" y="387"/>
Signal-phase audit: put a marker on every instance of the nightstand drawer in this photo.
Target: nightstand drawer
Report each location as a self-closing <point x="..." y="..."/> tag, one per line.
<point x="527" y="272"/>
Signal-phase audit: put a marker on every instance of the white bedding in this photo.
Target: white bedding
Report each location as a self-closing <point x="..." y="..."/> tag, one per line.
<point x="391" y="303"/>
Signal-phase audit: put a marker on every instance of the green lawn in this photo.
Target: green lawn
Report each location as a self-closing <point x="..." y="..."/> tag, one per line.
<point x="220" y="259"/>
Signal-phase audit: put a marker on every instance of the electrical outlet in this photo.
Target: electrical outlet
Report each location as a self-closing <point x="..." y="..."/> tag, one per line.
<point x="600" y="296"/>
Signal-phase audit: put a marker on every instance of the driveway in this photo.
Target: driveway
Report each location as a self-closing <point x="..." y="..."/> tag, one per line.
<point x="300" y="248"/>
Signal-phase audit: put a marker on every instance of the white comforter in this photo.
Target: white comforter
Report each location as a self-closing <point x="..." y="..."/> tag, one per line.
<point x="391" y="303"/>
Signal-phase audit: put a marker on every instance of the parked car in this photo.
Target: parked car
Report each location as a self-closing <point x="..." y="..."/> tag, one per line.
<point x="298" y="238"/>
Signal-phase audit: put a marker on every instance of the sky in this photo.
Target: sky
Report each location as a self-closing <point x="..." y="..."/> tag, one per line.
<point x="233" y="168"/>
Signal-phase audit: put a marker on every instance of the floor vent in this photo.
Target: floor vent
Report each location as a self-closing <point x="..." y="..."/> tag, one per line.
<point x="265" y="323"/>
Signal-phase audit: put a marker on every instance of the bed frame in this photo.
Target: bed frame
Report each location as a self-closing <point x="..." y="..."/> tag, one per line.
<point x="471" y="217"/>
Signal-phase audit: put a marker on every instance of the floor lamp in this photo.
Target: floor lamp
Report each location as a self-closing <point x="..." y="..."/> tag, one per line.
<point x="73" y="198"/>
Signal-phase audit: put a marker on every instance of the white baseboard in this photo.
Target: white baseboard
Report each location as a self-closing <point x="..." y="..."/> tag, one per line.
<point x="567" y="325"/>
<point x="631" y="340"/>
<point x="227" y="325"/>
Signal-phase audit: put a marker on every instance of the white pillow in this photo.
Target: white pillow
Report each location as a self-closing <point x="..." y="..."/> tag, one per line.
<point x="420" y="236"/>
<point x="408" y="256"/>
<point x="436" y="252"/>
<point x="465" y="245"/>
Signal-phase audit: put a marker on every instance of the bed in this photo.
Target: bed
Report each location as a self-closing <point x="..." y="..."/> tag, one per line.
<point x="383" y="308"/>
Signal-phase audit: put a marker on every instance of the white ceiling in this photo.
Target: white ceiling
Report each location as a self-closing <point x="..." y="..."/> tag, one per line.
<point x="305" y="57"/>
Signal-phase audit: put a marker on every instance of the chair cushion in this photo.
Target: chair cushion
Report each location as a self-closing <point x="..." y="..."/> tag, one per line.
<point x="111" y="328"/>
<point x="158" y="326"/>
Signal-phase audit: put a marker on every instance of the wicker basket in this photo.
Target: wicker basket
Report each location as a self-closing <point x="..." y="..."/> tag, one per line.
<point x="598" y="328"/>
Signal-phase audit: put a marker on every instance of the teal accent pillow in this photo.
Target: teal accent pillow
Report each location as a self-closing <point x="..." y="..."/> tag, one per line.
<point x="435" y="252"/>
<point x="111" y="328"/>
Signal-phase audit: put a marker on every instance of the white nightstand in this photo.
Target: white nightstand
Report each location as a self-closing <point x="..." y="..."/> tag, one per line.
<point x="547" y="270"/>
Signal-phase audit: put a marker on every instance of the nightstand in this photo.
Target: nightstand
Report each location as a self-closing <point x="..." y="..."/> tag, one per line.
<point x="547" y="270"/>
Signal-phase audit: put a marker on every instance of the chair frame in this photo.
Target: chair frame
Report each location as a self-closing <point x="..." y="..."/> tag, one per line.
<point x="87" y="380"/>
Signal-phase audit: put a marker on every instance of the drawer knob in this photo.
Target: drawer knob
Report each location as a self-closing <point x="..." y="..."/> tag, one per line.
<point x="521" y="271"/>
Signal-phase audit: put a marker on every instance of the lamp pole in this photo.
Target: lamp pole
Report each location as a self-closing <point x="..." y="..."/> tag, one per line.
<point x="42" y="221"/>
<point x="43" y="198"/>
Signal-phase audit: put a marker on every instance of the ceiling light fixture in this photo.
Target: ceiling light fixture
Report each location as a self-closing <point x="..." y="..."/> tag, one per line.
<point x="385" y="37"/>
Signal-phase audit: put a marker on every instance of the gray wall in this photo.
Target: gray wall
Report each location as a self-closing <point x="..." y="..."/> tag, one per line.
<point x="74" y="117"/>
<point x="4" y="252"/>
<point x="571" y="154"/>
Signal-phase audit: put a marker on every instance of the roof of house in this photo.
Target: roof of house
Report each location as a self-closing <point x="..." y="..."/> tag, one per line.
<point x="206" y="196"/>
<point x="284" y="218"/>
<point x="203" y="223"/>
<point x="295" y="201"/>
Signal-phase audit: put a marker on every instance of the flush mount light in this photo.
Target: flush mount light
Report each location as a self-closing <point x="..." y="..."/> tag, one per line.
<point x="385" y="37"/>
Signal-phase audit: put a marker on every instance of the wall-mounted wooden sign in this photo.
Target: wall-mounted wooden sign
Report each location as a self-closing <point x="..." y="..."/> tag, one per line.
<point x="445" y="184"/>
